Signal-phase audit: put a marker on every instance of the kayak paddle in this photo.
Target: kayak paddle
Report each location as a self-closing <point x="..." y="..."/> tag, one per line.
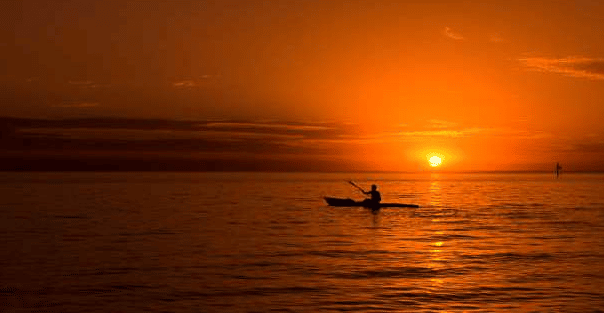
<point x="361" y="189"/>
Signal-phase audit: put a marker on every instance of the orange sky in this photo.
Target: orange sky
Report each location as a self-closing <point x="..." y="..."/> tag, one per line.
<point x="501" y="85"/>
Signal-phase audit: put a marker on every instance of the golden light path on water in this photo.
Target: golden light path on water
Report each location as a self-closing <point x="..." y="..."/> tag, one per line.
<point x="227" y="242"/>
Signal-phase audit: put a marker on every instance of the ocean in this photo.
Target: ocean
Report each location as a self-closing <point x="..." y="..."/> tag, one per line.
<point x="266" y="242"/>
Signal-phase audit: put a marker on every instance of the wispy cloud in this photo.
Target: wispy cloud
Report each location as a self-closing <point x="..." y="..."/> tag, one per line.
<point x="244" y="144"/>
<point x="155" y="134"/>
<point x="233" y="144"/>
<point x="184" y="84"/>
<point x="250" y="136"/>
<point x="267" y="126"/>
<point x="441" y="124"/>
<point x="453" y="131"/>
<point x="591" y="68"/>
<point x="254" y="133"/>
<point x="442" y="133"/>
<point x="193" y="82"/>
<point x="589" y="147"/>
<point x="453" y="35"/>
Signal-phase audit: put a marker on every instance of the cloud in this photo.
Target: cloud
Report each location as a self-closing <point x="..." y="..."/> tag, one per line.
<point x="442" y="133"/>
<point x="232" y="136"/>
<point x="581" y="67"/>
<point x="184" y="84"/>
<point x="173" y="144"/>
<point x="450" y="131"/>
<point x="589" y="147"/>
<point x="114" y="129"/>
<point x="154" y="134"/>
<point x="449" y="33"/>
<point x="195" y="82"/>
<point x="243" y="144"/>
<point x="267" y="126"/>
<point x="441" y="124"/>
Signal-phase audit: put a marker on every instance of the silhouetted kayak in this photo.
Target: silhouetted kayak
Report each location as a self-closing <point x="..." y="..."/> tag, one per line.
<point x="367" y="204"/>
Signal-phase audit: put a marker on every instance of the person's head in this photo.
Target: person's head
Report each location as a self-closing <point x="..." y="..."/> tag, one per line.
<point x="373" y="187"/>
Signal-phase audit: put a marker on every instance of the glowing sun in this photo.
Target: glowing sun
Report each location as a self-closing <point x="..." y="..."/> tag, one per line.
<point x="435" y="161"/>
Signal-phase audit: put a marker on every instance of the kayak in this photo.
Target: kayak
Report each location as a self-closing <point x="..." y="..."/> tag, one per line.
<point x="366" y="203"/>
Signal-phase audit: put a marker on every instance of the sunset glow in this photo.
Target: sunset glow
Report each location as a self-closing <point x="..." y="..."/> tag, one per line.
<point x="303" y="85"/>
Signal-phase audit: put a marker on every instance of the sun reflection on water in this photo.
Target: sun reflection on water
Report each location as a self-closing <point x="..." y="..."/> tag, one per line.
<point x="435" y="191"/>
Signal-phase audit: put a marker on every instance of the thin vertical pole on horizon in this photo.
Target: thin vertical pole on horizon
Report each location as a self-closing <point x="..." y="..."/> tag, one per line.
<point x="558" y="168"/>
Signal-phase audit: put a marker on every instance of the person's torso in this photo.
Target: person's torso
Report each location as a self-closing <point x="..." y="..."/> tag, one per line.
<point x="375" y="195"/>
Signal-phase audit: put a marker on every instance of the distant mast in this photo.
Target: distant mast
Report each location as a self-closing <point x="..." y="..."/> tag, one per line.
<point x="558" y="168"/>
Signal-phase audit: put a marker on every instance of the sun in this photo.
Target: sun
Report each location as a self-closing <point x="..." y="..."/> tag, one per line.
<point x="435" y="161"/>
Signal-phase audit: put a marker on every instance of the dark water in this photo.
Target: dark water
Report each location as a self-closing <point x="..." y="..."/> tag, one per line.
<point x="254" y="242"/>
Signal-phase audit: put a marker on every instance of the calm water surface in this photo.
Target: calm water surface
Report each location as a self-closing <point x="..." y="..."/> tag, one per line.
<point x="259" y="242"/>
